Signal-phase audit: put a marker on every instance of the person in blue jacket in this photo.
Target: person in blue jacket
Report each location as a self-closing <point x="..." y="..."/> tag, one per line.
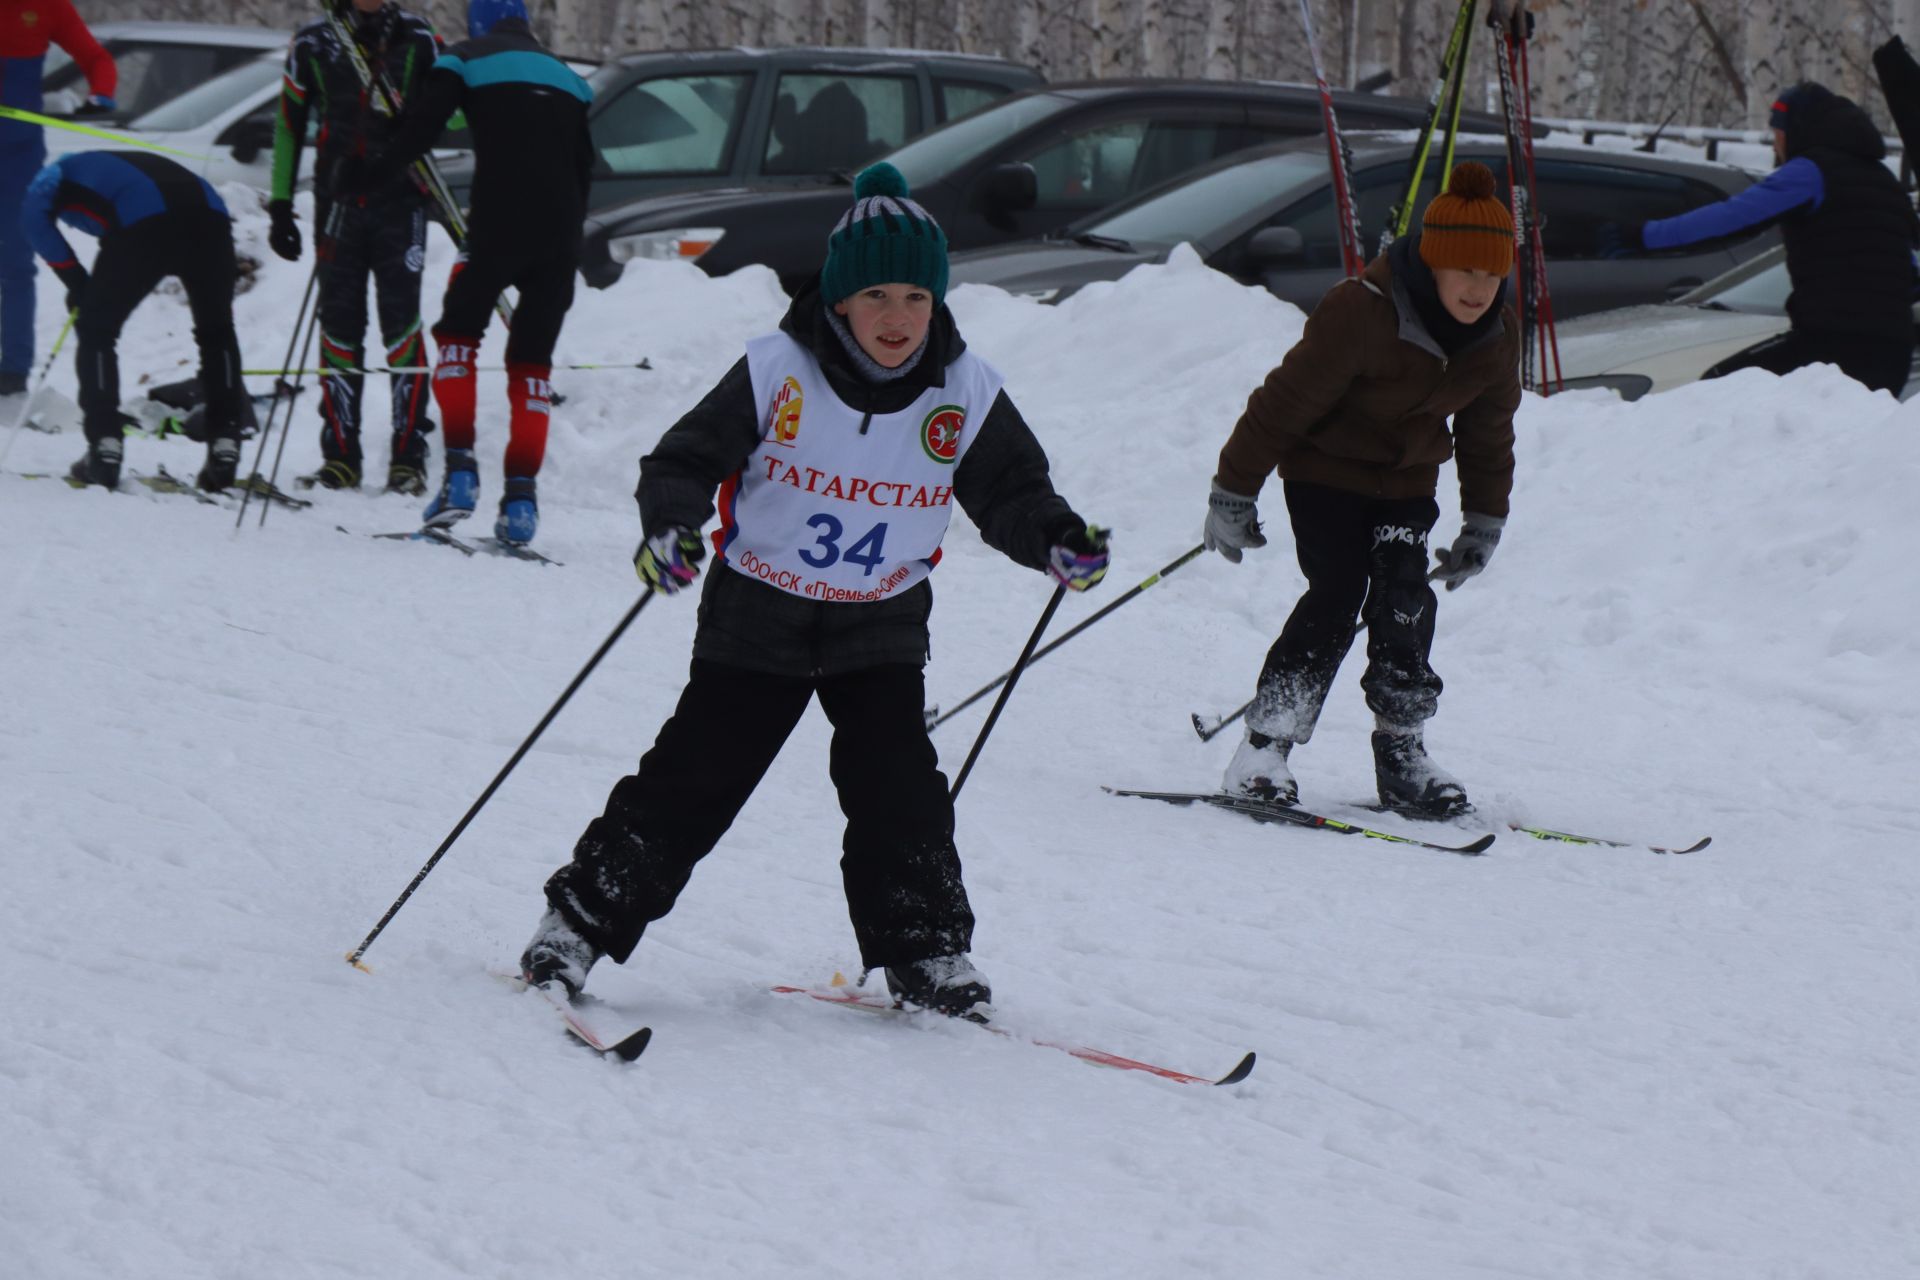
<point x="532" y="163"/>
<point x="27" y="31"/>
<point x="154" y="219"/>
<point x="1850" y="235"/>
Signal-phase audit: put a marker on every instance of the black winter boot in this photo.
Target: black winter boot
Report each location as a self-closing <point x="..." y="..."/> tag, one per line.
<point x="100" y="464"/>
<point x="945" y="984"/>
<point x="558" y="954"/>
<point x="1409" y="782"/>
<point x="223" y="460"/>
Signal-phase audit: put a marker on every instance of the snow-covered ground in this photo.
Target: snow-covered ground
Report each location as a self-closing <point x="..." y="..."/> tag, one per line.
<point x="223" y="754"/>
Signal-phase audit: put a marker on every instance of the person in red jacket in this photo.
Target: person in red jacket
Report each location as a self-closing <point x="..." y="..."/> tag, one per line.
<point x="27" y="28"/>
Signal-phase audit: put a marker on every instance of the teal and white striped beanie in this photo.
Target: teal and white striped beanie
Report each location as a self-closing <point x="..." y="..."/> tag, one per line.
<point x="884" y="239"/>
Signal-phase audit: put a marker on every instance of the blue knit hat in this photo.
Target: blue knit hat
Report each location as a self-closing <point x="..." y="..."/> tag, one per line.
<point x="484" y="15"/>
<point x="884" y="239"/>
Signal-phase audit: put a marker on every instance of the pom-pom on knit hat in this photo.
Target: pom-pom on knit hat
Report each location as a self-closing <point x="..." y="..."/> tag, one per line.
<point x="884" y="239"/>
<point x="1466" y="227"/>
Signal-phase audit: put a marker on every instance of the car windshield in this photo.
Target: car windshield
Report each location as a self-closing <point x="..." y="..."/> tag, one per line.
<point x="1758" y="285"/>
<point x="1201" y="207"/>
<point x="217" y="96"/>
<point x="933" y="156"/>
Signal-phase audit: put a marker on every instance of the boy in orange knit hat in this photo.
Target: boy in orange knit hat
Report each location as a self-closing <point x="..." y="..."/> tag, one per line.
<point x="1355" y="422"/>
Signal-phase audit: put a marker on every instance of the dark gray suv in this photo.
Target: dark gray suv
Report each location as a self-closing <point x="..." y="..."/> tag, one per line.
<point x="1266" y="218"/>
<point x="703" y="118"/>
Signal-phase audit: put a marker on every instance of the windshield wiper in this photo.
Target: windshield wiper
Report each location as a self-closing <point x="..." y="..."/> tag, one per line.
<point x="1114" y="243"/>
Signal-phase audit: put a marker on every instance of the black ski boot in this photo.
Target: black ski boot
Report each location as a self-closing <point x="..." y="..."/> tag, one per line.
<point x="945" y="984"/>
<point x="409" y="478"/>
<point x="100" y="464"/>
<point x="1410" y="782"/>
<point x="558" y="954"/>
<point x="223" y="460"/>
<point x="333" y="474"/>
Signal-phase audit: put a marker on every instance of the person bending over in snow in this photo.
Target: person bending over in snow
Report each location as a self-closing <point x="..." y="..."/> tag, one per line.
<point x="532" y="162"/>
<point x="838" y="446"/>
<point x="154" y="219"/>
<point x="1355" y="422"/>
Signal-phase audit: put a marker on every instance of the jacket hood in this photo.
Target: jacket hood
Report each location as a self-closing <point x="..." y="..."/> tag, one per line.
<point x="1818" y="118"/>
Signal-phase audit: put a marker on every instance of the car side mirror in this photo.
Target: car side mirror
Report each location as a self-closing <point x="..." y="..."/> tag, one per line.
<point x="248" y="138"/>
<point x="1007" y="188"/>
<point x="1275" y="246"/>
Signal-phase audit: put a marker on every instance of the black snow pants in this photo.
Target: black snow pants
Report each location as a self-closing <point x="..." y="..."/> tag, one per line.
<point x="1362" y="556"/>
<point x="543" y="273"/>
<point x="1881" y="363"/>
<point x="386" y="240"/>
<point x="196" y="245"/>
<point x="898" y="861"/>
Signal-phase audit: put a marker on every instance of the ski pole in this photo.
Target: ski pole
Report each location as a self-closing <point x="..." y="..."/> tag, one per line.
<point x="353" y="957"/>
<point x="1208" y="732"/>
<point x="1351" y="258"/>
<point x="265" y="430"/>
<point x="39" y="381"/>
<point x="1013" y="678"/>
<point x="118" y="139"/>
<point x="936" y="717"/>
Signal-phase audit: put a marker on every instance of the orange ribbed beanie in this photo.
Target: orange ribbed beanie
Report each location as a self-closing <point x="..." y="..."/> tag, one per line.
<point x="1466" y="227"/>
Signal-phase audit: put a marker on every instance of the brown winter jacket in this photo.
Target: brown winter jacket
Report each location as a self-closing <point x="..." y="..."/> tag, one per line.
<point x="1361" y="403"/>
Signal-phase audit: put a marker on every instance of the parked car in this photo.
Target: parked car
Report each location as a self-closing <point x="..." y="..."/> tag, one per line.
<point x="1267" y="218"/>
<point x="157" y="62"/>
<point x="687" y="121"/>
<point x="1635" y="351"/>
<point x="1017" y="168"/>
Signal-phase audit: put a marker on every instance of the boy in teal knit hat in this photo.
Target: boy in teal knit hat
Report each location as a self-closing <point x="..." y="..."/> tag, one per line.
<point x="838" y="447"/>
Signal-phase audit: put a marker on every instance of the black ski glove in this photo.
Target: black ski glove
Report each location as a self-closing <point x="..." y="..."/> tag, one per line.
<point x="1469" y="554"/>
<point x="97" y="104"/>
<point x="1078" y="557"/>
<point x="74" y="277"/>
<point x="1233" y="523"/>
<point x="284" y="237"/>
<point x="1618" y="239"/>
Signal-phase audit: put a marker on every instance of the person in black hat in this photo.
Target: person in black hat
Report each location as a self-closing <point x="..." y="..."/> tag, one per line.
<point x="1850" y="234"/>
<point x="838" y="446"/>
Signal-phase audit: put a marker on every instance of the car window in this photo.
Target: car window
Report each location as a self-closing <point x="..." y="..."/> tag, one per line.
<point x="671" y="124"/>
<point x="1101" y="165"/>
<point x="1576" y="199"/>
<point x="1198" y="209"/>
<point x="823" y="123"/>
<point x="932" y="156"/>
<point x="214" y="98"/>
<point x="1376" y="191"/>
<point x="963" y="97"/>
<point x="1759" y="285"/>
<point x="157" y="73"/>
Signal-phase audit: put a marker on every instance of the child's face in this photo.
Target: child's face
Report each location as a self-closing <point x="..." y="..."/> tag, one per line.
<point x="889" y="321"/>
<point x="1466" y="294"/>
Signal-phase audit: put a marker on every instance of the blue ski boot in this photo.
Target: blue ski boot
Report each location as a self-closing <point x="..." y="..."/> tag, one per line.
<point x="459" y="490"/>
<point x="519" y="513"/>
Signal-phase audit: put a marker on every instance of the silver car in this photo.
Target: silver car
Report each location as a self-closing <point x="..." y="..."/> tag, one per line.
<point x="1638" y="350"/>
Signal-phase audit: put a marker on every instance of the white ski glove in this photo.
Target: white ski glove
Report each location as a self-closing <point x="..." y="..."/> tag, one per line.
<point x="1233" y="523"/>
<point x="1469" y="554"/>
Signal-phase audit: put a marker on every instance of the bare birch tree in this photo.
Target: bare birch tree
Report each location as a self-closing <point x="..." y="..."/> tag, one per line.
<point x="1707" y="62"/>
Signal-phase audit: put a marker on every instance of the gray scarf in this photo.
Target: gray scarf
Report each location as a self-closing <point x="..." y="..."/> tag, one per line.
<point x="865" y="365"/>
